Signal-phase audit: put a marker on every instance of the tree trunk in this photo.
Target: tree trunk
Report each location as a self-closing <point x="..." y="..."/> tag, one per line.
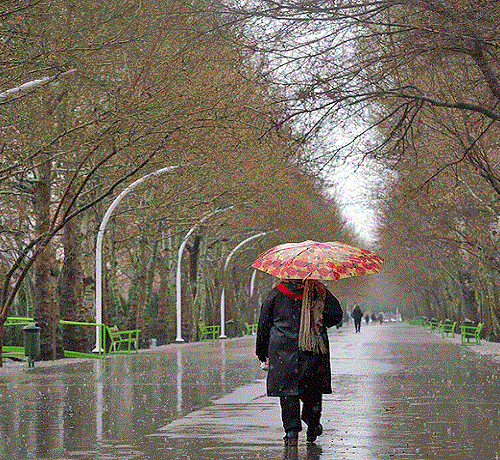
<point x="138" y="295"/>
<point x="163" y="295"/>
<point x="114" y="305"/>
<point x="495" y="295"/>
<point x="194" y="253"/>
<point x="46" y="311"/>
<point x="2" y="323"/>
<point x="166" y="322"/>
<point x="203" y="288"/>
<point x="490" y="301"/>
<point x="151" y="272"/>
<point x="470" y="309"/>
<point x="71" y="291"/>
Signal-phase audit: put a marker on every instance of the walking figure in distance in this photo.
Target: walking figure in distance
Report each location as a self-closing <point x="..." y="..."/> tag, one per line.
<point x="357" y="314"/>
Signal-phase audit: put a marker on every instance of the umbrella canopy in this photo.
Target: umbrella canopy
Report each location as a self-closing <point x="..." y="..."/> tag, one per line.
<point x="320" y="261"/>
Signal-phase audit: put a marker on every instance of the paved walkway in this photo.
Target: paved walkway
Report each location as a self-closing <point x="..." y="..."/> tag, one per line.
<point x="388" y="397"/>
<point x="399" y="393"/>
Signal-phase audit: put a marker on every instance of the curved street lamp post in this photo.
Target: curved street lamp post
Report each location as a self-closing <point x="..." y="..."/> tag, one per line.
<point x="179" y="271"/>
<point x="223" y="293"/>
<point x="98" y="254"/>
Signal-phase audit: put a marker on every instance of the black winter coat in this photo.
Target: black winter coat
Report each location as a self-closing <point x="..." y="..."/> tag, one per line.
<point x="293" y="371"/>
<point x="357" y="313"/>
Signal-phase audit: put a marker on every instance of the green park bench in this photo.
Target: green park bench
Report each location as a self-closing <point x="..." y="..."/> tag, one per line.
<point x="433" y="324"/>
<point x="447" y="327"/>
<point x="251" y="328"/>
<point x="119" y="338"/>
<point x="470" y="331"/>
<point x="420" y="321"/>
<point x="13" y="352"/>
<point x="208" y="332"/>
<point x="18" y="321"/>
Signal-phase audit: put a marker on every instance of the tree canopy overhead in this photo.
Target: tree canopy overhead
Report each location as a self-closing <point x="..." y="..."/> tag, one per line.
<point x="94" y="96"/>
<point x="413" y="85"/>
<point x="343" y="60"/>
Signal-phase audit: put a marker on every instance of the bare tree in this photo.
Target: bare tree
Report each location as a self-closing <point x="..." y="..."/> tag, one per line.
<point x="345" y="64"/>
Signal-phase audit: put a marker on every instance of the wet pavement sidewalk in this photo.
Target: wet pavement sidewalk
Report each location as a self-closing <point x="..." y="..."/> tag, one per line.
<point x="399" y="392"/>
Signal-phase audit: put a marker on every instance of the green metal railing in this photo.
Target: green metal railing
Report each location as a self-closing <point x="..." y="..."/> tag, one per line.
<point x="101" y="347"/>
<point x="16" y="351"/>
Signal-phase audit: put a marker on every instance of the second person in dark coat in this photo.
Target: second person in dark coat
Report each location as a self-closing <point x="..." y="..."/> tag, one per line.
<point x="357" y="314"/>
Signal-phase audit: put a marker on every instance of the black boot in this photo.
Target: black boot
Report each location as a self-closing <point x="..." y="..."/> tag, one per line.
<point x="313" y="432"/>
<point x="291" y="438"/>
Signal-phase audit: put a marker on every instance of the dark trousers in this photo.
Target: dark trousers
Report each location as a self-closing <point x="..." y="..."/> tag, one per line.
<point x="357" y="325"/>
<point x="290" y="411"/>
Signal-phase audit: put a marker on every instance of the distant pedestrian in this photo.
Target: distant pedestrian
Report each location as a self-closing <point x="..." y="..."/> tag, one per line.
<point x="367" y="318"/>
<point x="357" y="314"/>
<point x="292" y="338"/>
<point x="380" y="318"/>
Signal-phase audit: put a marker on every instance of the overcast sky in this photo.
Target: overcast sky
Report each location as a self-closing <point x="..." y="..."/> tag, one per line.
<point x="356" y="188"/>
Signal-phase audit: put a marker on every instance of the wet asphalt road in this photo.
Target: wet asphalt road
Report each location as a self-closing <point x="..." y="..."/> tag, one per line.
<point x="399" y="393"/>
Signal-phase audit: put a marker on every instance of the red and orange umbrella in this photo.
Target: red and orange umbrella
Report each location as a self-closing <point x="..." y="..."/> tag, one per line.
<point x="318" y="261"/>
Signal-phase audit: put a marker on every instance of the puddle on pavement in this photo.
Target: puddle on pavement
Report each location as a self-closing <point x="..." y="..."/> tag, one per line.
<point x="391" y="400"/>
<point x="446" y="406"/>
<point x="94" y="410"/>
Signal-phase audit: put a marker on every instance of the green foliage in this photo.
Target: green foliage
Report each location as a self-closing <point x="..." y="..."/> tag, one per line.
<point x="13" y="336"/>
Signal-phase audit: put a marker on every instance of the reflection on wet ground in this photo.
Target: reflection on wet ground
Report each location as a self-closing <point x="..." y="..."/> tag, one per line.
<point x="399" y="393"/>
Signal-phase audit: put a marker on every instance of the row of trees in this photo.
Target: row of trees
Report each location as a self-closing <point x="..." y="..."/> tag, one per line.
<point x="413" y="85"/>
<point x="256" y="102"/>
<point x="442" y="212"/>
<point x="96" y="96"/>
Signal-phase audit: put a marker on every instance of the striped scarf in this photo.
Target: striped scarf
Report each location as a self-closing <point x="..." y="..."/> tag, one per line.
<point x="311" y="318"/>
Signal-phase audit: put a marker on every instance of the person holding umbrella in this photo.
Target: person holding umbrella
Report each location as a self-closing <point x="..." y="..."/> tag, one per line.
<point x="292" y="330"/>
<point x="292" y="338"/>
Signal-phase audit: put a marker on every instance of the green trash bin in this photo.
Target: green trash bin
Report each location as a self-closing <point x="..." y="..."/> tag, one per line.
<point x="31" y="339"/>
<point x="230" y="329"/>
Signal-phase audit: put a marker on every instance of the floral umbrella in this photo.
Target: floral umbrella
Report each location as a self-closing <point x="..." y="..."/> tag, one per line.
<point x="319" y="261"/>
